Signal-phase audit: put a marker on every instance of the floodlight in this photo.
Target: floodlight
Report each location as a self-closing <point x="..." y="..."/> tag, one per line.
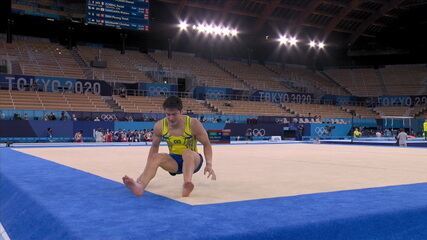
<point x="283" y="40"/>
<point x="293" y="41"/>
<point x="183" y="25"/>
<point x="234" y="32"/>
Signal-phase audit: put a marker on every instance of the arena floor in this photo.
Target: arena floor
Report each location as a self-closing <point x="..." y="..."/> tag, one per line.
<point x="350" y="180"/>
<point x="247" y="172"/>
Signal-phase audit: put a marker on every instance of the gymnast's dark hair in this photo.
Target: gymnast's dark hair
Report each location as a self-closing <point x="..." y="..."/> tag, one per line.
<point x="173" y="102"/>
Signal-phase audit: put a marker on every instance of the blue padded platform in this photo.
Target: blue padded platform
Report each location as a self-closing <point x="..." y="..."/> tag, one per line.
<point x="40" y="199"/>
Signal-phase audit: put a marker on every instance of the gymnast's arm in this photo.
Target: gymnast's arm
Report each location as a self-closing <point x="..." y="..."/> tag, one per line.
<point x="156" y="138"/>
<point x="202" y="136"/>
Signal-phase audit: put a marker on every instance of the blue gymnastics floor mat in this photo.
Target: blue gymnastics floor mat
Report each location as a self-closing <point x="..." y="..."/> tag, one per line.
<point x="40" y="199"/>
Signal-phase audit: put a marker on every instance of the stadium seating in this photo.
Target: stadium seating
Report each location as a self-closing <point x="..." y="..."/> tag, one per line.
<point x="419" y="110"/>
<point x="126" y="68"/>
<point x="206" y="72"/>
<point x="400" y="111"/>
<point x="305" y="77"/>
<point x="361" y="112"/>
<point x="79" y="102"/>
<point x="39" y="57"/>
<point x="6" y="100"/>
<point x="145" y="104"/>
<point x="256" y="75"/>
<point x="393" y="111"/>
<point x="365" y="112"/>
<point x="52" y="101"/>
<point x="405" y="79"/>
<point x="196" y="106"/>
<point x="248" y="108"/>
<point x="393" y="80"/>
<point x="311" y="110"/>
<point x="363" y="82"/>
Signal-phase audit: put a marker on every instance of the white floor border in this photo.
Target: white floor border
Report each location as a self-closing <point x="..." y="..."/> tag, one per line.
<point x="112" y="144"/>
<point x="3" y="233"/>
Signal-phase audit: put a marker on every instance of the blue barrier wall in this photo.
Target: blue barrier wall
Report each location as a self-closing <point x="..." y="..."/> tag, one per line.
<point x="150" y="125"/>
<point x="257" y="130"/>
<point x="211" y="93"/>
<point x="342" y="100"/>
<point x="133" y="125"/>
<point x="55" y="84"/>
<point x="279" y="97"/>
<point x="357" y="122"/>
<point x="214" y="126"/>
<point x="415" y="124"/>
<point x="34" y="128"/>
<point x="406" y="101"/>
<point x="88" y="126"/>
<point x="231" y="118"/>
<point x="31" y="114"/>
<point x="326" y="130"/>
<point x="59" y="128"/>
<point x="371" y="123"/>
<point x="10" y="128"/>
<point x="157" y="89"/>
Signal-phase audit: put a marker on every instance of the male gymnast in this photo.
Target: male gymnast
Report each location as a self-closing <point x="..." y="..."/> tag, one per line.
<point x="181" y="133"/>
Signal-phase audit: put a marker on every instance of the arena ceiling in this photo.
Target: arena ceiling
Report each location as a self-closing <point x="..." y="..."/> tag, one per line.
<point x="323" y="18"/>
<point x="392" y="30"/>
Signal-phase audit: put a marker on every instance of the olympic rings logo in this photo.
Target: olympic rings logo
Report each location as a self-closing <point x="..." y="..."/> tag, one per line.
<point x="320" y="131"/>
<point x="256" y="132"/>
<point x="108" y="117"/>
<point x="214" y="94"/>
<point x="157" y="91"/>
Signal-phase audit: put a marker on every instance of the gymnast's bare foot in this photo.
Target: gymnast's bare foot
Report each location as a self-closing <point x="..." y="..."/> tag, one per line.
<point x="136" y="188"/>
<point x="187" y="189"/>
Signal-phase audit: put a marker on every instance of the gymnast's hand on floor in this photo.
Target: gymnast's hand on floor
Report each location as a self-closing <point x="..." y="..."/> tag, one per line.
<point x="208" y="169"/>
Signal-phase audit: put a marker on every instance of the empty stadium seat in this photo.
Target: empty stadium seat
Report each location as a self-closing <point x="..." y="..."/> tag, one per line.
<point x="248" y="108"/>
<point x="120" y="67"/>
<point x="258" y="76"/>
<point x="207" y="73"/>
<point x="324" y="111"/>
<point x="26" y="100"/>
